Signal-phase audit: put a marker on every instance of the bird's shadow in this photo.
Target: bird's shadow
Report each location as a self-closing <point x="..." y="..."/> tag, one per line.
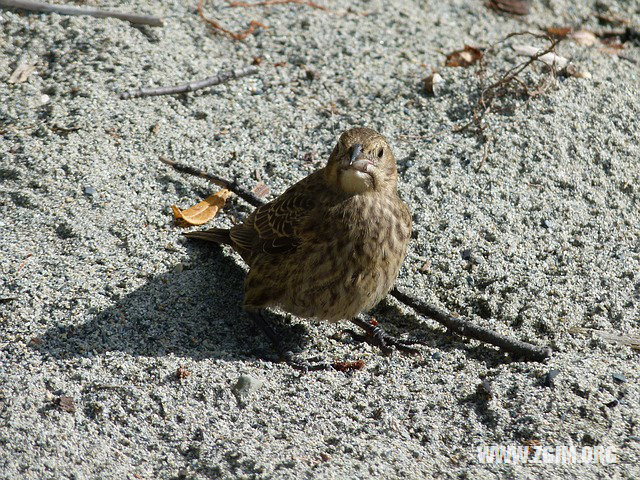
<point x="192" y="312"/>
<point x="196" y="312"/>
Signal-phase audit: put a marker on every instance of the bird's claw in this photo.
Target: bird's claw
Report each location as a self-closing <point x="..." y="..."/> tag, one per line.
<point x="376" y="336"/>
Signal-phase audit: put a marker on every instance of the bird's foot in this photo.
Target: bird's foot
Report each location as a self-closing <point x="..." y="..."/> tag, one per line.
<point x="375" y="335"/>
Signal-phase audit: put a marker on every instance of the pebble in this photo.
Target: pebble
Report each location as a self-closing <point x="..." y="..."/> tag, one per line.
<point x="547" y="381"/>
<point x="246" y="385"/>
<point x="433" y="84"/>
<point x="547" y="224"/>
<point x="89" y="191"/>
<point x="618" y="377"/>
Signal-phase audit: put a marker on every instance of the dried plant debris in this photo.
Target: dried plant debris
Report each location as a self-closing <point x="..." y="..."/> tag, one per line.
<point x="202" y="212"/>
<point x="514" y="7"/>
<point x="253" y="25"/>
<point x="22" y="73"/>
<point x="260" y="190"/>
<point x="347" y="366"/>
<point x="275" y="2"/>
<point x="182" y="373"/>
<point x="219" y="28"/>
<point x="633" y="341"/>
<point x="496" y="90"/>
<point x="581" y="36"/>
<point x="551" y="59"/>
<point x="463" y="58"/>
<point x="584" y="37"/>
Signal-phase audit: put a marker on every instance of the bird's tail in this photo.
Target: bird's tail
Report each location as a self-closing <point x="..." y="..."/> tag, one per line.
<point x="217" y="235"/>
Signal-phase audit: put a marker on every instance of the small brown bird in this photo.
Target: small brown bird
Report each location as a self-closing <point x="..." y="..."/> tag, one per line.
<point x="331" y="246"/>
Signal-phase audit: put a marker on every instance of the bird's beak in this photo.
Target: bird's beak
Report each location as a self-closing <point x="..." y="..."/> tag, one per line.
<point x="356" y="152"/>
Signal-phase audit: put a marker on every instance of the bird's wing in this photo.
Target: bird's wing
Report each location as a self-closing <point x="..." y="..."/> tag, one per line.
<point x="275" y="228"/>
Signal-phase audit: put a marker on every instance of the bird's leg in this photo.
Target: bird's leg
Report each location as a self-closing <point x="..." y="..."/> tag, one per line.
<point x="285" y="355"/>
<point x="377" y="336"/>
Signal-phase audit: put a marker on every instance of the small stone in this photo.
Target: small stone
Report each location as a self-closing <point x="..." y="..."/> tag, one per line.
<point x="178" y="267"/>
<point x="547" y="224"/>
<point x="476" y="259"/>
<point x="44" y="99"/>
<point x="246" y="385"/>
<point x="613" y="403"/>
<point x="89" y="191"/>
<point x="635" y="438"/>
<point x="433" y="84"/>
<point x="573" y="71"/>
<point x="547" y="380"/>
<point x="66" y="404"/>
<point x="437" y="356"/>
<point x="484" y="389"/>
<point x="618" y="377"/>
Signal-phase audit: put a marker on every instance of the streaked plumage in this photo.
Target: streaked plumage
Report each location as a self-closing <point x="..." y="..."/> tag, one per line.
<point x="331" y="245"/>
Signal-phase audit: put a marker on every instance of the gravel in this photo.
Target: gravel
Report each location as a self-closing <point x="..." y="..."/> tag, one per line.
<point x="109" y="301"/>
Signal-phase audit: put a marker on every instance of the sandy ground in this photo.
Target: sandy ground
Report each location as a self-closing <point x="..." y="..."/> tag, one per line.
<point x="103" y="300"/>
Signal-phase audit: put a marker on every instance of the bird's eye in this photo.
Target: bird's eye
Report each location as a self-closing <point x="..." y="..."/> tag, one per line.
<point x="380" y="152"/>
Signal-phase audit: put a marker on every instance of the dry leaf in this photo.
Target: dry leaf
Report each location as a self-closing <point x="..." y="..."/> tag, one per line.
<point x="204" y="211"/>
<point x="463" y="58"/>
<point x="584" y="37"/>
<point x="21" y="73"/>
<point x="260" y="190"/>
<point x="550" y="58"/>
<point x="515" y="7"/>
<point x="182" y="373"/>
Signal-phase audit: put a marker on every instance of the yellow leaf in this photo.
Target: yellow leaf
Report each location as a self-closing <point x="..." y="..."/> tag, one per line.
<point x="204" y="211"/>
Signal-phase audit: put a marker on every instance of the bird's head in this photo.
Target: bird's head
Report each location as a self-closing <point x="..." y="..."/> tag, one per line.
<point x="361" y="162"/>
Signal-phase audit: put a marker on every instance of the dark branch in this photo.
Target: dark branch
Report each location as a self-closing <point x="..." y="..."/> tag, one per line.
<point x="465" y="328"/>
<point x="240" y="191"/>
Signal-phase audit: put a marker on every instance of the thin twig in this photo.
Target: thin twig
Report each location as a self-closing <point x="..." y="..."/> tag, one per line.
<point x="465" y="328"/>
<point x="92" y="12"/>
<point x="501" y="86"/>
<point x="191" y="86"/>
<point x="275" y="2"/>
<point x="215" y="25"/>
<point x="240" y="191"/>
<point x="457" y="325"/>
